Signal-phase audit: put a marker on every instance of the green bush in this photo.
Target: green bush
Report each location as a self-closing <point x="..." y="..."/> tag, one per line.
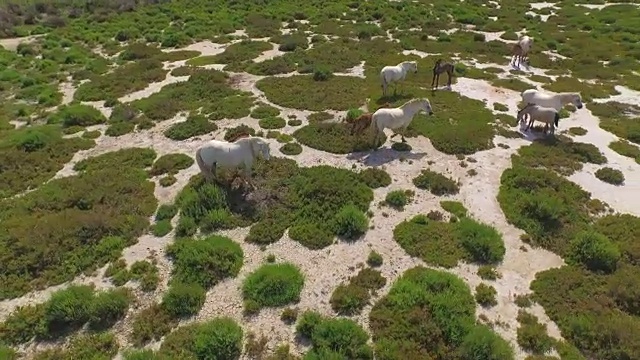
<point x="350" y="222"/>
<point x="398" y="198"/>
<point x="234" y="132"/>
<point x="151" y="324"/>
<point x="217" y="339"/>
<point x="374" y="259"/>
<point x="195" y="125"/>
<point x="7" y="353"/>
<point x="167" y="181"/>
<point x="487" y="272"/>
<point x="311" y="236"/>
<point x="69" y="307"/>
<point x="291" y="149"/>
<point x="77" y="115"/>
<point x="445" y="309"/>
<point x="333" y="338"/>
<point x="351" y="298"/>
<point x="486" y="295"/>
<point x="611" y="176"/>
<point x="205" y="262"/>
<point x="532" y="335"/>
<point x="375" y="178"/>
<point x="119" y="129"/>
<point x="183" y="300"/>
<point x="335" y="138"/>
<point x="264" y="111"/>
<point x="128" y="158"/>
<point x="90" y="346"/>
<point x="444" y="244"/>
<point x="273" y="285"/>
<point x="454" y="207"/>
<point x="108" y="307"/>
<point x="625" y="148"/>
<point x="161" y="228"/>
<point x="166" y="212"/>
<point x="436" y="183"/>
<point x="272" y="123"/>
<point x="170" y="164"/>
<point x="595" y="251"/>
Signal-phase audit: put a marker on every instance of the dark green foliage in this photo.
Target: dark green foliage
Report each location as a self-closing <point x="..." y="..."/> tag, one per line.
<point x="182" y="300"/>
<point x="91" y="346"/>
<point x="444" y="244"/>
<point x="487" y="272"/>
<point x="234" y="132"/>
<point x="311" y="236"/>
<point x="436" y="183"/>
<point x="170" y="164"/>
<point x="139" y="158"/>
<point x="151" y="324"/>
<point x="205" y="262"/>
<point x="77" y="115"/>
<point x="430" y="313"/>
<point x="217" y="339"/>
<point x="486" y="295"/>
<point x="272" y="123"/>
<point x="454" y="207"/>
<point x="351" y="298"/>
<point x="291" y="149"/>
<point x="375" y="178"/>
<point x="333" y="338"/>
<point x="168" y="180"/>
<point x="350" y="222"/>
<point x="398" y="198"/>
<point x="595" y="251"/>
<point x="609" y="175"/>
<point x="264" y="111"/>
<point x="161" y="228"/>
<point x="273" y="285"/>
<point x="532" y="335"/>
<point x="374" y="259"/>
<point x="166" y="212"/>
<point x="108" y="307"/>
<point x="195" y="125"/>
<point x="335" y="138"/>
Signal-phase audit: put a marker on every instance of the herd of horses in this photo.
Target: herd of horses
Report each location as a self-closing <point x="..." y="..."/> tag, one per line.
<point x="244" y="148"/>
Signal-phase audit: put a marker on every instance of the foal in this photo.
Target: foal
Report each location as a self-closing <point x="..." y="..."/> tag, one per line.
<point x="359" y="124"/>
<point x="517" y="55"/>
<point x="440" y="68"/>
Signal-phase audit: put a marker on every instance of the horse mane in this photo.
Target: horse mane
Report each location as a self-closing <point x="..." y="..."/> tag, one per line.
<point x="414" y="100"/>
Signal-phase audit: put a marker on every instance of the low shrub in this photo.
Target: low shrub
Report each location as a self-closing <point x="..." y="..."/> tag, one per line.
<point x="289" y="315"/>
<point x="487" y="272"/>
<point x="264" y="111"/>
<point x="151" y="324"/>
<point x="234" y="132"/>
<point x="486" y="295"/>
<point x="108" y="307"/>
<point x="625" y="148"/>
<point x="195" y="125"/>
<point x="444" y="244"/>
<point x="77" y="115"/>
<point x="611" y="176"/>
<point x="321" y="116"/>
<point x="89" y="346"/>
<point x="119" y="129"/>
<point x="167" y="181"/>
<point x="398" y="198"/>
<point x="294" y="122"/>
<point x="291" y="149"/>
<point x="166" y="212"/>
<point x="351" y="298"/>
<point x="577" y="131"/>
<point x="170" y="164"/>
<point x="311" y="236"/>
<point x="436" y="183"/>
<point x="532" y="335"/>
<point x="333" y="338"/>
<point x="374" y="259"/>
<point x="350" y="222"/>
<point x="220" y="338"/>
<point x="183" y="300"/>
<point x="445" y="309"/>
<point x="454" y="207"/>
<point x="220" y="256"/>
<point x="139" y="158"/>
<point x="595" y="251"/>
<point x="273" y="285"/>
<point x="161" y="228"/>
<point x="334" y="138"/>
<point x="272" y="123"/>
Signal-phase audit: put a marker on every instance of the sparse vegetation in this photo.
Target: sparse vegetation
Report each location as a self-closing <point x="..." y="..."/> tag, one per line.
<point x="486" y="295"/>
<point x="611" y="176"/>
<point x="398" y="198"/>
<point x="436" y="183"/>
<point x="195" y="125"/>
<point x="334" y="338"/>
<point x="351" y="298"/>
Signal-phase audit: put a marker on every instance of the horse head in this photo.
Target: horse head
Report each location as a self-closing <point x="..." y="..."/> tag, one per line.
<point x="410" y="65"/>
<point x="577" y="101"/>
<point x="427" y="106"/>
<point x="260" y="147"/>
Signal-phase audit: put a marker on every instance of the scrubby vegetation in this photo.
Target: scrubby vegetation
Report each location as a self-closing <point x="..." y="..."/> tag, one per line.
<point x="194" y="125"/>
<point x="609" y="175"/>
<point x="436" y="183"/>
<point x="170" y="164"/>
<point x="399" y="198"/>
<point x="333" y="338"/>
<point x="351" y="298"/>
<point x="273" y="285"/>
<point x="67" y="310"/>
<point x="532" y="335"/>
<point x="334" y="138"/>
<point x="445" y="309"/>
<point x="291" y="149"/>
<point x="444" y="244"/>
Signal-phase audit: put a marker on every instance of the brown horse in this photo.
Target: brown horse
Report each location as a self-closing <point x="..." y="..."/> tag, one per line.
<point x="359" y="124"/>
<point x="440" y="68"/>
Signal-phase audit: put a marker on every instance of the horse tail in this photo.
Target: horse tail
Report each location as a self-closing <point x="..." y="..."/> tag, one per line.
<point x="206" y="170"/>
<point x="556" y="119"/>
<point x="383" y="79"/>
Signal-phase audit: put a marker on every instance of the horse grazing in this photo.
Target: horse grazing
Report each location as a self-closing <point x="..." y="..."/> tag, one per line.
<point x="556" y="101"/>
<point x="547" y="115"/>
<point x="230" y="155"/>
<point x="395" y="73"/>
<point x="440" y="68"/>
<point x="398" y="118"/>
<point x="517" y="55"/>
<point x="362" y="122"/>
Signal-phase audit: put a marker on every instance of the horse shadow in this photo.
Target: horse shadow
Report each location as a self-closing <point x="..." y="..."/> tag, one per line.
<point x="535" y="133"/>
<point x="383" y="156"/>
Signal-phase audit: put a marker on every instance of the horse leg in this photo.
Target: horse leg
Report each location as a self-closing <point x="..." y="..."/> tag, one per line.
<point x="449" y="79"/>
<point x="402" y="135"/>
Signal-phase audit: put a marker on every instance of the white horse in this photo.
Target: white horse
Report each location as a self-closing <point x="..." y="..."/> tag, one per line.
<point x="396" y="73"/>
<point x="556" y="101"/>
<point x="526" y="42"/>
<point x="230" y="155"/>
<point x="398" y="118"/>
<point x="547" y="115"/>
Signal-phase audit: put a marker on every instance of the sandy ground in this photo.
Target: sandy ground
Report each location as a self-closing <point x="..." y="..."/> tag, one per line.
<point x="326" y="268"/>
